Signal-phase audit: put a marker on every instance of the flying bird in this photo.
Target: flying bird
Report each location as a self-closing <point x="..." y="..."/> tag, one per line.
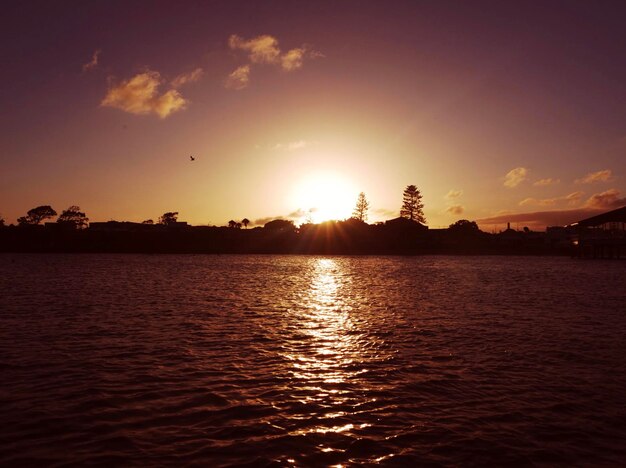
<point x="192" y="158"/>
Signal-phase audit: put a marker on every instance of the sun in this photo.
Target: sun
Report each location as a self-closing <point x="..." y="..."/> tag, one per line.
<point x="324" y="196"/>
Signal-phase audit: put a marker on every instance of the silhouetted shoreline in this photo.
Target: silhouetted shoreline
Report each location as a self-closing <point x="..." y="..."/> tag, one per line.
<point x="350" y="237"/>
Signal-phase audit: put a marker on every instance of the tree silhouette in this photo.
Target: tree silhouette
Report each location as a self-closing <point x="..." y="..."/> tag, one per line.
<point x="147" y="221"/>
<point x="232" y="223"/>
<point x="412" y="206"/>
<point x="169" y="218"/>
<point x="74" y="216"/>
<point x="280" y="225"/>
<point x="464" y="226"/>
<point x="360" y="210"/>
<point x="245" y="222"/>
<point x="37" y="215"/>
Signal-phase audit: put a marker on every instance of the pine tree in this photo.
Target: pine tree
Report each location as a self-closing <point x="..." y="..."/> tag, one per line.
<point x="412" y="206"/>
<point x="362" y="205"/>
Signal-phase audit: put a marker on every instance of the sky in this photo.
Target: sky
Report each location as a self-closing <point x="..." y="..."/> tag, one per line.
<point x="497" y="111"/>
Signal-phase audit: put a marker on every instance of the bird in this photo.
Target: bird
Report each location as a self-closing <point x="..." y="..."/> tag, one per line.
<point x="192" y="158"/>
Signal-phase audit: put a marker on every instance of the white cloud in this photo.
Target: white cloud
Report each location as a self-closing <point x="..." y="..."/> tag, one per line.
<point x="515" y="177"/>
<point x="185" y="78"/>
<point x="239" y="78"/>
<point x="599" y="176"/>
<point x="140" y="95"/>
<point x="93" y="63"/>
<point x="545" y="182"/>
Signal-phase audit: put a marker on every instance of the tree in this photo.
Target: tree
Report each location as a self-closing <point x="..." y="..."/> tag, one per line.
<point x="232" y="224"/>
<point x="360" y="210"/>
<point x="412" y="206"/>
<point x="169" y="218"/>
<point x="74" y="216"/>
<point x="37" y="215"/>
<point x="245" y="222"/>
<point x="147" y="221"/>
<point x="463" y="226"/>
<point x="280" y="225"/>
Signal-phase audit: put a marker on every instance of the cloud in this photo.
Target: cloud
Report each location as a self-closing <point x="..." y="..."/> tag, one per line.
<point x="239" y="78"/>
<point x="597" y="203"/>
<point x="292" y="145"/>
<point x="293" y="59"/>
<point x="541" y="202"/>
<point x="455" y="210"/>
<point x="571" y="199"/>
<point x="261" y="49"/>
<point x="610" y="199"/>
<point x="599" y="176"/>
<point x="540" y="219"/>
<point x="93" y="63"/>
<point x="574" y="197"/>
<point x="264" y="49"/>
<point x="545" y="182"/>
<point x="185" y="78"/>
<point x="515" y="177"/>
<point x="453" y="194"/>
<point x="140" y="95"/>
<point x="386" y="212"/>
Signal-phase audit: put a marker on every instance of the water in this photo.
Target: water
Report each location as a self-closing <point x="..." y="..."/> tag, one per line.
<point x="311" y="361"/>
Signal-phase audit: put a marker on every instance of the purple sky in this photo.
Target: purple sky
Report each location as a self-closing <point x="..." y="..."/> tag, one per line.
<point x="495" y="110"/>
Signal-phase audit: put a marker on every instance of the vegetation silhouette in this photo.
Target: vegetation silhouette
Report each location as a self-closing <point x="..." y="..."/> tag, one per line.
<point x="169" y="218"/>
<point x="412" y="206"/>
<point x="36" y="215"/>
<point x="360" y="210"/>
<point x="74" y="217"/>
<point x="406" y="234"/>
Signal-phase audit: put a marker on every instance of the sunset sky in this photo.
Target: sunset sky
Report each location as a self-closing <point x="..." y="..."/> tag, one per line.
<point x="496" y="111"/>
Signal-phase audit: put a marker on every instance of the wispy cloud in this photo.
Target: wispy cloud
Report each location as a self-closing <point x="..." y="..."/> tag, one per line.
<point x="455" y="210"/>
<point x="453" y="194"/>
<point x="140" y="95"/>
<point x="265" y="50"/>
<point x="571" y="199"/>
<point x="292" y="145"/>
<point x="93" y="63"/>
<point x="540" y="202"/>
<point x="609" y="199"/>
<point x="515" y="177"/>
<point x="185" y="78"/>
<point x="387" y="213"/>
<point x="546" y="182"/>
<point x="239" y="78"/>
<point x="599" y="176"/>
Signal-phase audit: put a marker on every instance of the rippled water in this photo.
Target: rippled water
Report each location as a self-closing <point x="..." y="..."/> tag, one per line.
<point x="311" y="361"/>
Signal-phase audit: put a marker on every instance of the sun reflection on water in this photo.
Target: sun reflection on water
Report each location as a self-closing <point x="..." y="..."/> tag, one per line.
<point x="327" y="362"/>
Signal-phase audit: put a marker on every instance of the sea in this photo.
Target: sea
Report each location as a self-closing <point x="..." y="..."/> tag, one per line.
<point x="266" y="360"/>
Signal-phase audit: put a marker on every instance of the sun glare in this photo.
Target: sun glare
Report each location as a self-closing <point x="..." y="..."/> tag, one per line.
<point x="324" y="196"/>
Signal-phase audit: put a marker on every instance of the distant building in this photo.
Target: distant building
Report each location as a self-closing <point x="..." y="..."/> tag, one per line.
<point x="602" y="236"/>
